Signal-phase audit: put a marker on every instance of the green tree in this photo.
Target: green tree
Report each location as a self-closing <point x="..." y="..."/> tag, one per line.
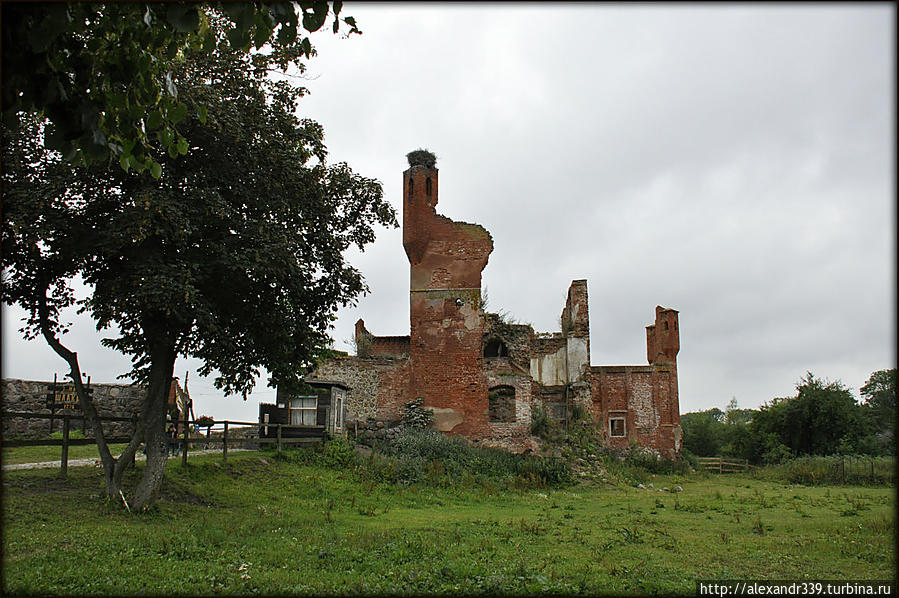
<point x="703" y="432"/>
<point x="880" y="406"/>
<point x="102" y="73"/>
<point x="819" y="420"/>
<point x="233" y="255"/>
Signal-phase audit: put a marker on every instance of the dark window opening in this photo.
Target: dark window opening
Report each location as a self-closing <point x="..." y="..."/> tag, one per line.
<point x="666" y="325"/>
<point x="428" y="186"/>
<point x="616" y="426"/>
<point x="501" y="400"/>
<point x="496" y="348"/>
<point x="411" y="185"/>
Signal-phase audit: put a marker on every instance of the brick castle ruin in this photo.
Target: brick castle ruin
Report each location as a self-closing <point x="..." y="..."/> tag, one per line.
<point x="483" y="376"/>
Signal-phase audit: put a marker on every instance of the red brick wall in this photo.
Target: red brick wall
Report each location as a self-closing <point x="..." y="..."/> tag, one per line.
<point x="646" y="396"/>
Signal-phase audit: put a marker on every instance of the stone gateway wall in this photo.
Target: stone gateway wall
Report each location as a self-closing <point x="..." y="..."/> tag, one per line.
<point x="111" y="400"/>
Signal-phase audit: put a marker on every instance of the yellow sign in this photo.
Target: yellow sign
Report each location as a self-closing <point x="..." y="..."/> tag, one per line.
<point x="66" y="397"/>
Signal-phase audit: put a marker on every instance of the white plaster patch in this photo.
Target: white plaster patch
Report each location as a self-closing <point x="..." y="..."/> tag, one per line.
<point x="549" y="369"/>
<point x="578" y="358"/>
<point x="471" y="315"/>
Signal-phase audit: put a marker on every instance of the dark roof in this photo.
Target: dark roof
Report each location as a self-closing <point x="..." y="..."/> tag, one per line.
<point x="326" y="383"/>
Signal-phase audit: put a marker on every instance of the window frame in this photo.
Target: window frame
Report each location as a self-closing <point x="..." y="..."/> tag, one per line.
<point x="617" y="417"/>
<point x="303" y="411"/>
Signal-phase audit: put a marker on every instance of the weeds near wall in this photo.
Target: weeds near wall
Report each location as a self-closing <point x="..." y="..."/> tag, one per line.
<point x="415" y="416"/>
<point x="427" y="457"/>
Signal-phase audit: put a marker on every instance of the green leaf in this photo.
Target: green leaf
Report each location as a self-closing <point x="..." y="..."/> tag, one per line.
<point x="172" y="50"/>
<point x="154" y="120"/>
<point x="287" y="35"/>
<point x="182" y="145"/>
<point x="183" y="17"/>
<point x="125" y="162"/>
<point x="166" y="137"/>
<point x="313" y="21"/>
<point x="338" y="5"/>
<point x="202" y="114"/>
<point x="238" y="38"/>
<point x="155" y="169"/>
<point x="263" y="31"/>
<point x="306" y="46"/>
<point x="209" y="41"/>
<point x="177" y="113"/>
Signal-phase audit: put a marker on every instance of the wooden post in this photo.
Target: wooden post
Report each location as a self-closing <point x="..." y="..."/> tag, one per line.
<point x="225" y="443"/>
<point x="279" y="439"/>
<point x="64" y="462"/>
<point x="186" y="436"/>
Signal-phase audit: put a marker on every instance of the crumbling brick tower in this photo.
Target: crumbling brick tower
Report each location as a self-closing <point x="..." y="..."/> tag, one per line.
<point x="446" y="259"/>
<point x="662" y="346"/>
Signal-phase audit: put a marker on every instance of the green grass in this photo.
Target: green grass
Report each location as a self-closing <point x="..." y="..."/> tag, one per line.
<point x="262" y="524"/>
<point x="37" y="454"/>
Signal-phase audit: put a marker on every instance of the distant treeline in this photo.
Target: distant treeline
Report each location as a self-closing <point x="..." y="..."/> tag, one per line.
<point x="824" y="418"/>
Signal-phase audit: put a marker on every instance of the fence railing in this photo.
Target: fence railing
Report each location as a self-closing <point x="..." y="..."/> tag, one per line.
<point x="723" y="464"/>
<point x="225" y="434"/>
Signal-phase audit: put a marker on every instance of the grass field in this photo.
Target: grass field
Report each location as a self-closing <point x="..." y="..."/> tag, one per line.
<point x="37" y="454"/>
<point x="260" y="524"/>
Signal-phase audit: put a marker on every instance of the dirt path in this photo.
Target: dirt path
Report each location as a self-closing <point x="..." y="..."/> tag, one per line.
<point x="96" y="462"/>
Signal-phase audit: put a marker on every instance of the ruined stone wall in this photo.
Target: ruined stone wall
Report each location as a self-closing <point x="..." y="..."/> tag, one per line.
<point x="369" y="345"/>
<point x="378" y="387"/>
<point x="483" y="376"/>
<point x="643" y="396"/>
<point x="389" y="346"/>
<point x="111" y="400"/>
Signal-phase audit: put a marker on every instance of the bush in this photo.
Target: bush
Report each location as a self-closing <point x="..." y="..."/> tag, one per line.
<point x="543" y="426"/>
<point x="416" y="416"/>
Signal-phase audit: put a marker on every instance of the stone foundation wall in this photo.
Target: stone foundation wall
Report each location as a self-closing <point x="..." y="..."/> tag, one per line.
<point x="378" y="386"/>
<point x="111" y="400"/>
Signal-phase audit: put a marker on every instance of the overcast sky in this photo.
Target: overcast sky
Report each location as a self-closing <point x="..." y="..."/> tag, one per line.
<point x="732" y="162"/>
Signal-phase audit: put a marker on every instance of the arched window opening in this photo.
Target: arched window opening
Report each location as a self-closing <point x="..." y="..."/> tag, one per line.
<point x="496" y="348"/>
<point x="428" y="186"/>
<point x="666" y="325"/>
<point x="411" y="185"/>
<point x="501" y="400"/>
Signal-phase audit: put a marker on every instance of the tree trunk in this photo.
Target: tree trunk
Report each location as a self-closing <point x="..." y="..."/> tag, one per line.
<point x="150" y="424"/>
<point x="87" y="407"/>
<point x="162" y="360"/>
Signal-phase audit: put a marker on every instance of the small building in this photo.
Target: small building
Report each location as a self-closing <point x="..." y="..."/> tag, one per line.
<point x="306" y="415"/>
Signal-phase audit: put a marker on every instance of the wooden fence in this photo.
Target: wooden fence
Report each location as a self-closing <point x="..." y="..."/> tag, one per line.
<point x="723" y="464"/>
<point x="224" y="433"/>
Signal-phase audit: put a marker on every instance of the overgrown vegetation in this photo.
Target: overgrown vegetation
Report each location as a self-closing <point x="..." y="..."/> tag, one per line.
<point x="415" y="416"/>
<point x="580" y="444"/>
<point x="832" y="471"/>
<point x="425" y="456"/>
<point x="262" y="525"/>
